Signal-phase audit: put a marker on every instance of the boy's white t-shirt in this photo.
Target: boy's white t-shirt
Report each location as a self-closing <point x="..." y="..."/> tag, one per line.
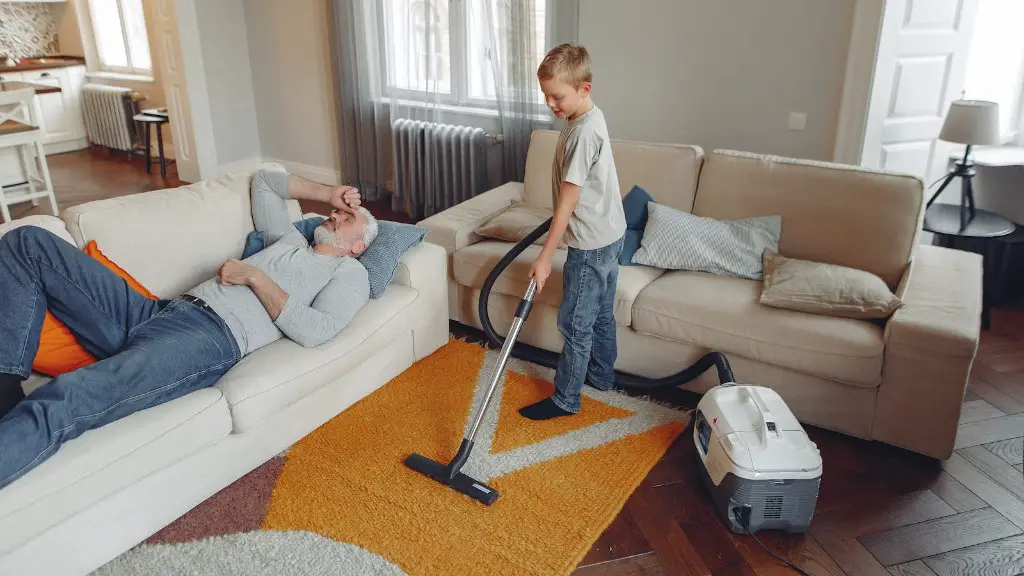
<point x="583" y="157"/>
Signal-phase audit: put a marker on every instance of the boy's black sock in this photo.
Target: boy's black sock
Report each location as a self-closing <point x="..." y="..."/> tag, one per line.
<point x="10" y="392"/>
<point x="543" y="410"/>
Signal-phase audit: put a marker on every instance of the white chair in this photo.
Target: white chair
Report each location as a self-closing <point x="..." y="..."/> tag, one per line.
<point x="17" y="129"/>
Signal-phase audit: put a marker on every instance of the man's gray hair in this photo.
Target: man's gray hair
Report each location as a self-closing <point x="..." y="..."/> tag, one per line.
<point x="371" y="229"/>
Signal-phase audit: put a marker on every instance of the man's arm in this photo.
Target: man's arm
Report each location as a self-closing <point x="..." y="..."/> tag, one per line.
<point x="312" y="325"/>
<point x="272" y="189"/>
<point x="332" y="309"/>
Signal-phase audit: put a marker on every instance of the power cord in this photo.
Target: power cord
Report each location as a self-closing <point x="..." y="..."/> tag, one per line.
<point x="743" y="517"/>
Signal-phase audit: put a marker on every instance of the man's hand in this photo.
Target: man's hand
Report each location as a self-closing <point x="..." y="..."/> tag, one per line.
<point x="237" y="273"/>
<point x="345" y="197"/>
<point x="541" y="270"/>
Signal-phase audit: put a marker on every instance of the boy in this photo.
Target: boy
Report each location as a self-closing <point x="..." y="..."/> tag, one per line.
<point x="588" y="214"/>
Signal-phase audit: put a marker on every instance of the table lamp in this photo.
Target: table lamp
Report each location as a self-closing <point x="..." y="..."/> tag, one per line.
<point x="974" y="123"/>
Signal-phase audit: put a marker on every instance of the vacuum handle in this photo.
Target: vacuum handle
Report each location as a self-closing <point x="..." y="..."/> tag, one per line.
<point x="526" y="304"/>
<point x="767" y="420"/>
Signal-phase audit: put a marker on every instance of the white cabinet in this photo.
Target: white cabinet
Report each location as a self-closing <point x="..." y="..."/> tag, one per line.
<point x="61" y="119"/>
<point x="62" y="122"/>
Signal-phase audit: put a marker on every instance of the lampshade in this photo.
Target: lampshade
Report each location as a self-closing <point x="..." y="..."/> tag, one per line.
<point x="974" y="122"/>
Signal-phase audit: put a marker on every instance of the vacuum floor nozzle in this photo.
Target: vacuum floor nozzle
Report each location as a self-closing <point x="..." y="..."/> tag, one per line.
<point x="452" y="478"/>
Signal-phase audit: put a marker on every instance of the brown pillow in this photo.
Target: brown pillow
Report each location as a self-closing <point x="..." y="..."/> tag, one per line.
<point x="825" y="289"/>
<point x="516" y="223"/>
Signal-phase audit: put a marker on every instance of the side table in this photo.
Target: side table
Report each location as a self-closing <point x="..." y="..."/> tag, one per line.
<point x="979" y="236"/>
<point x="147" y="121"/>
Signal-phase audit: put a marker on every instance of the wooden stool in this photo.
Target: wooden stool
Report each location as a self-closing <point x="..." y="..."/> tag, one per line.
<point x="148" y="120"/>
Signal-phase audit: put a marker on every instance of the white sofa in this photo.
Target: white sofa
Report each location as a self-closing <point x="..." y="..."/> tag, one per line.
<point x="111" y="488"/>
<point x="902" y="383"/>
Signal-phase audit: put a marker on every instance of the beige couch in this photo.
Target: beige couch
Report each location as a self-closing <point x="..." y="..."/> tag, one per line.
<point x="114" y="486"/>
<point x="902" y="383"/>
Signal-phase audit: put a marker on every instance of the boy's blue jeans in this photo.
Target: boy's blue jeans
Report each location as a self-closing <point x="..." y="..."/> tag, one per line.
<point x="148" y="352"/>
<point x="586" y="320"/>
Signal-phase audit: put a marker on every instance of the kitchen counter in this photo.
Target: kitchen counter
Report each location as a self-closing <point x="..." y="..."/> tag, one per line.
<point x="44" y="63"/>
<point x="40" y="88"/>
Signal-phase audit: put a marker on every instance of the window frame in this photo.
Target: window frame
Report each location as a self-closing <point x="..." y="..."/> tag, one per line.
<point x="458" y="98"/>
<point x="131" y="69"/>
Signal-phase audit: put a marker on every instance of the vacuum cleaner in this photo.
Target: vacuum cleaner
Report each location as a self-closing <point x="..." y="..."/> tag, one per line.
<point x="450" y="474"/>
<point x="761" y="468"/>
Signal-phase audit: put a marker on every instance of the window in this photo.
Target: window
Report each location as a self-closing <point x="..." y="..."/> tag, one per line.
<point x="995" y="63"/>
<point x="119" y="29"/>
<point x="439" y="46"/>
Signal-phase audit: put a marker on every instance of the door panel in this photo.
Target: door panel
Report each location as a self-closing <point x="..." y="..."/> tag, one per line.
<point x="167" y="45"/>
<point x="922" y="58"/>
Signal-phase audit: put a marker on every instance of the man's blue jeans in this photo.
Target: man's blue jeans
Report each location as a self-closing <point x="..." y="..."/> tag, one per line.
<point x="586" y="320"/>
<point x="148" y="352"/>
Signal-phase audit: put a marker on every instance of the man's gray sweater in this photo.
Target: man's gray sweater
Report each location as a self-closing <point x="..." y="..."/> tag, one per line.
<point x="324" y="292"/>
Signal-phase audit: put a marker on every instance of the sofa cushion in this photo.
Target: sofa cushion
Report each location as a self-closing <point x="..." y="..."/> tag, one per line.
<point x="826" y="289"/>
<point x="724" y="314"/>
<point x="516" y="222"/>
<point x="283" y="372"/>
<point x="668" y="172"/>
<point x="831" y="213"/>
<point x="171" y="240"/>
<point x="103" y="460"/>
<point x="678" y="240"/>
<point x="473" y="264"/>
<point x="635" y="207"/>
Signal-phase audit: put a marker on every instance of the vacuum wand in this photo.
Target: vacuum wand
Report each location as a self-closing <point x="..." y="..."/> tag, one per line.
<point x="450" y="474"/>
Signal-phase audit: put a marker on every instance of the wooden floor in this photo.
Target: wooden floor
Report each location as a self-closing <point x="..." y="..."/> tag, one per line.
<point x="95" y="174"/>
<point x="881" y="510"/>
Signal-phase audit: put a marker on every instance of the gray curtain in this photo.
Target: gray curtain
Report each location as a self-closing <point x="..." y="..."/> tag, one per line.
<point x="436" y="61"/>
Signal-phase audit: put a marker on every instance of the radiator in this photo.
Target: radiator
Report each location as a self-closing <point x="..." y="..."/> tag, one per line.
<point x="108" y="112"/>
<point x="437" y="165"/>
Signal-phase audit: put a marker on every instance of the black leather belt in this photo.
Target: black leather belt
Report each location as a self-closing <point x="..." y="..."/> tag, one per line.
<point x="198" y="302"/>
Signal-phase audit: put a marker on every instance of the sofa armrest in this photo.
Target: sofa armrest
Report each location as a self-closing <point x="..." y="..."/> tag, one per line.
<point x="425" y="268"/>
<point x="930" y="345"/>
<point x="51" y="223"/>
<point x="454" y="228"/>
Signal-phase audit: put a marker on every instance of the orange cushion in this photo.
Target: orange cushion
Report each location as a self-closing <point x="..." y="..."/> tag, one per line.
<point x="58" y="351"/>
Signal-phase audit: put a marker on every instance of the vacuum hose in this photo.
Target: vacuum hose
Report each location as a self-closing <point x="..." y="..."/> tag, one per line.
<point x="550" y="359"/>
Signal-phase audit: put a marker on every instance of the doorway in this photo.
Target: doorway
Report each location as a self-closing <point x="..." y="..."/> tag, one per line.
<point x="909" y="60"/>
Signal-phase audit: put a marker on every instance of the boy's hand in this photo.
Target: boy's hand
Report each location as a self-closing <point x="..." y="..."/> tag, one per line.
<point x="541" y="270"/>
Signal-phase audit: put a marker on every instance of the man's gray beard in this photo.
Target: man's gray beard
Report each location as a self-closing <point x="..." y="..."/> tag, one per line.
<point x="322" y="235"/>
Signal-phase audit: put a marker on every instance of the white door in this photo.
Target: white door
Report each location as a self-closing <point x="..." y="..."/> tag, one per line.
<point x="919" y="70"/>
<point x="168" y="54"/>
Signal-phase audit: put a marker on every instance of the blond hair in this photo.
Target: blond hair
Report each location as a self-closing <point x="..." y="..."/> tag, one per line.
<point x="568" y="63"/>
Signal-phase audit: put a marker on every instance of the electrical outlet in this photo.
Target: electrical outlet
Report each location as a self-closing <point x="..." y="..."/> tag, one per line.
<point x="797" y="120"/>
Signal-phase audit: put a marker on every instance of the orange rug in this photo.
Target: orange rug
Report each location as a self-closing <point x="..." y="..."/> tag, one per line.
<point x="341" y="499"/>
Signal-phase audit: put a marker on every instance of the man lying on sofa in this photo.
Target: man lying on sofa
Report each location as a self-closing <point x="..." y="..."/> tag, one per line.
<point x="149" y="352"/>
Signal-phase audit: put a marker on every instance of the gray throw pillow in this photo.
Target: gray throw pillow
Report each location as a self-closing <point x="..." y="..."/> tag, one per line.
<point x="677" y="240"/>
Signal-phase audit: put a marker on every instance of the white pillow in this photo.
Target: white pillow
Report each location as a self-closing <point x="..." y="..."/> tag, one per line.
<point x="677" y="240"/>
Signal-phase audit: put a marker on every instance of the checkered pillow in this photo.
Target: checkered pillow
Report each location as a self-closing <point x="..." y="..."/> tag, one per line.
<point x="676" y="240"/>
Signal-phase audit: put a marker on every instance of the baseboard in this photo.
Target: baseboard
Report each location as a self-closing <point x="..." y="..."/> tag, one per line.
<point x="65" y="146"/>
<point x="315" y="173"/>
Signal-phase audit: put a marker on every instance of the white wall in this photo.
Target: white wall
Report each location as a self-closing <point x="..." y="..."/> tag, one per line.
<point x="229" y="82"/>
<point x="293" y="85"/>
<point x="722" y="73"/>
